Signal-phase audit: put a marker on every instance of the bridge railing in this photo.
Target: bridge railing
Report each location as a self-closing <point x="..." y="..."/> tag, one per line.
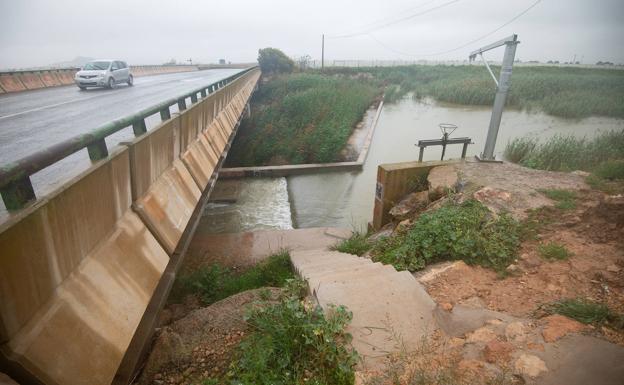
<point x="16" y="186"/>
<point x="88" y="267"/>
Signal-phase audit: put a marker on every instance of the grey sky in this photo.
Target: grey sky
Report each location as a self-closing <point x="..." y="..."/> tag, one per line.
<point x="40" y="32"/>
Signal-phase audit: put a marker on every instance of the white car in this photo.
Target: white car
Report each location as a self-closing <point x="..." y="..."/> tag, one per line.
<point x="103" y="73"/>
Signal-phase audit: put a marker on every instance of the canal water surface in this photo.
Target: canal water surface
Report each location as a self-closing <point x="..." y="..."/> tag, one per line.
<point x="345" y="199"/>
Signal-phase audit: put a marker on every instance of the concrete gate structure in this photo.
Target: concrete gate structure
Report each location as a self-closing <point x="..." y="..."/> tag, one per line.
<point x="85" y="270"/>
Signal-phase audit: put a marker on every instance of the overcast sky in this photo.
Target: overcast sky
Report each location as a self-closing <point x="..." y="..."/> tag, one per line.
<point x="41" y="32"/>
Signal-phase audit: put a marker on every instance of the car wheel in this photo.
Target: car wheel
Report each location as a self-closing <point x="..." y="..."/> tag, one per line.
<point x="130" y="80"/>
<point x="111" y="83"/>
<point x="82" y="88"/>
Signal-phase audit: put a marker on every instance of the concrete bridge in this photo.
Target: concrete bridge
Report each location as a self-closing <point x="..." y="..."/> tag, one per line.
<point x="85" y="270"/>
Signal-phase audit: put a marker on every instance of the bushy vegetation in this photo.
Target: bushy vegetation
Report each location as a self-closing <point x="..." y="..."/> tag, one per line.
<point x="466" y="231"/>
<point x="357" y="244"/>
<point x="554" y="251"/>
<point x="564" y="92"/>
<point x="608" y="177"/>
<point x="301" y="118"/>
<point x="568" y="153"/>
<point x="274" y="61"/>
<point x="293" y="342"/>
<point x="587" y="312"/>
<point x="215" y="282"/>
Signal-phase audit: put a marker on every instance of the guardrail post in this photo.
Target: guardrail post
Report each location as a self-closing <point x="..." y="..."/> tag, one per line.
<point x="182" y="104"/>
<point x="194" y="98"/>
<point x="203" y="93"/>
<point x="97" y="150"/>
<point x="17" y="194"/>
<point x="139" y="127"/>
<point x="420" y="154"/>
<point x="165" y="114"/>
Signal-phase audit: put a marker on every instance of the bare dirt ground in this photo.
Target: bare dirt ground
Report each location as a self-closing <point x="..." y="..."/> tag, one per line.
<point x="202" y="344"/>
<point x="593" y="233"/>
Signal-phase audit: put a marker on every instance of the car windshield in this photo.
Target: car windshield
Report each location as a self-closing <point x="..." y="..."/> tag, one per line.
<point x="97" y="65"/>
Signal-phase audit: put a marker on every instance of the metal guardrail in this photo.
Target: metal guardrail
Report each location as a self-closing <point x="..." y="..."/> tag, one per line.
<point x="15" y="185"/>
<point x="77" y="68"/>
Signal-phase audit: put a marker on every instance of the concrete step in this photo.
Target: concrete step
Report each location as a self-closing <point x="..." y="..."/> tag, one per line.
<point x="374" y="269"/>
<point x="391" y="310"/>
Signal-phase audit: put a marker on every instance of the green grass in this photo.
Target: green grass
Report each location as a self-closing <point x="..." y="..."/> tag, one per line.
<point x="301" y="118"/>
<point x="357" y="244"/>
<point x="604" y="153"/>
<point x="553" y="250"/>
<point x="563" y="92"/>
<point x="465" y="231"/>
<point x="566" y="199"/>
<point x="587" y="312"/>
<point x="214" y="282"/>
<point x="293" y="342"/>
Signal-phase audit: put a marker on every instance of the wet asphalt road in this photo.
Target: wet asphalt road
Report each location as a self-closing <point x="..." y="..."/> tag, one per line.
<point x="33" y="120"/>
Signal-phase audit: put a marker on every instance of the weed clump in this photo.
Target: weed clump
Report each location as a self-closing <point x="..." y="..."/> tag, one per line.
<point x="357" y="244"/>
<point x="566" y="199"/>
<point x="466" y="231"/>
<point x="587" y="312"/>
<point x="215" y="282"/>
<point x="293" y="342"/>
<point x="554" y="251"/>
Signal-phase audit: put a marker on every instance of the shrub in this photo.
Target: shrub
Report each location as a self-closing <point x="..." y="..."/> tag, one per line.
<point x="567" y="153"/>
<point x="293" y="342"/>
<point x="587" y="312"/>
<point x="466" y="231"/>
<point x="357" y="244"/>
<point x="274" y="61"/>
<point x="214" y="282"/>
<point x="553" y="250"/>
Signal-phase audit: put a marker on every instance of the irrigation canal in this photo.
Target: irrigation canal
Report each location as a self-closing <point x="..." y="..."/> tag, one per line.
<point x="345" y="199"/>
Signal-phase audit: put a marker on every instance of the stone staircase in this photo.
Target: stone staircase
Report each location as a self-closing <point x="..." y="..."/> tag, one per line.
<point x="391" y="310"/>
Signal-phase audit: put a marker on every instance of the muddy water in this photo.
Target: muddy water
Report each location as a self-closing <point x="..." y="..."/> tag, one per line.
<point x="262" y="204"/>
<point x="345" y="199"/>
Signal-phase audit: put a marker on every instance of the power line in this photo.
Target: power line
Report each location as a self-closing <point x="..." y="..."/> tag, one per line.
<point x="366" y="31"/>
<point x="383" y="20"/>
<point x="461" y="46"/>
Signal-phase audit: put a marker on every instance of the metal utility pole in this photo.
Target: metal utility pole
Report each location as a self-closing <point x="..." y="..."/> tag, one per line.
<point x="323" y="52"/>
<point x="502" y="88"/>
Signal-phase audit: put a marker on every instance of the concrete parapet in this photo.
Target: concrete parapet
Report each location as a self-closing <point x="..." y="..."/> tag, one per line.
<point x="11" y="83"/>
<point x="80" y="266"/>
<point x="31" y="80"/>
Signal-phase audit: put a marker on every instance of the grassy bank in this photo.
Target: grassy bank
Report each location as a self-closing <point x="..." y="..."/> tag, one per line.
<point x="603" y="156"/>
<point x="563" y="92"/>
<point x="215" y="282"/>
<point x="301" y="118"/>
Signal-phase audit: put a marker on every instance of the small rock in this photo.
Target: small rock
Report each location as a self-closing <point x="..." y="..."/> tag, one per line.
<point x="411" y="204"/>
<point x="441" y="180"/>
<point x="494" y="322"/>
<point x="530" y="365"/>
<point x="403" y="225"/>
<point x="380" y="234"/>
<point x="446" y="306"/>
<point x="558" y="326"/>
<point x="496" y="351"/>
<point x="515" y="331"/>
<point x="534" y="346"/>
<point x="471" y="366"/>
<point x="513" y="269"/>
<point x="613" y="268"/>
<point x="483" y="334"/>
<point x="584" y="174"/>
<point x="457" y="342"/>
